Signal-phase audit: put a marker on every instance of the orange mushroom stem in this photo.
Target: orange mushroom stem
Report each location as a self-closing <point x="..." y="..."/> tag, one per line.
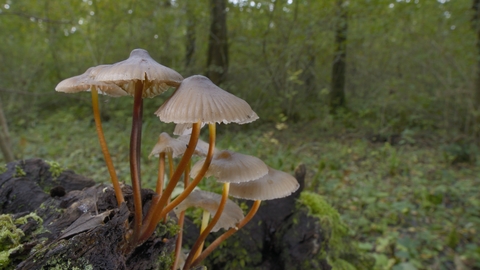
<point x="103" y="146"/>
<point x="199" y="177"/>
<point x="154" y="213"/>
<point x="227" y="234"/>
<point x="199" y="243"/>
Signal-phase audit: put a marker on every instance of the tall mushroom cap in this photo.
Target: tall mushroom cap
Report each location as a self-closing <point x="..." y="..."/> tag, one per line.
<point x="276" y="184"/>
<point x="140" y="67"/>
<point x="231" y="167"/>
<point x="167" y="144"/>
<point x="231" y="215"/>
<point x="198" y="99"/>
<point x="86" y="81"/>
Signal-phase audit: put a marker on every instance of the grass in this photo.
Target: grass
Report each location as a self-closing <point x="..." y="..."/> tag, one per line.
<point x="407" y="205"/>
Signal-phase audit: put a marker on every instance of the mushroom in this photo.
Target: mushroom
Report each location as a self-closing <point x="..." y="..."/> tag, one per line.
<point x="140" y="76"/>
<point x="87" y="82"/>
<point x="210" y="201"/>
<point x="276" y="184"/>
<point x="228" y="167"/>
<point x="231" y="167"/>
<point x="197" y="100"/>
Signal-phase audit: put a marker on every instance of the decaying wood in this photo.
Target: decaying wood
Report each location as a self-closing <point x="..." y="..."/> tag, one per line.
<point x="82" y="228"/>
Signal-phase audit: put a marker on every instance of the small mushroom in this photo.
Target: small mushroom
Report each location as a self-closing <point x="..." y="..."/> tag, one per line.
<point x="87" y="82"/>
<point x="276" y="184"/>
<point x="232" y="167"/>
<point x="210" y="201"/>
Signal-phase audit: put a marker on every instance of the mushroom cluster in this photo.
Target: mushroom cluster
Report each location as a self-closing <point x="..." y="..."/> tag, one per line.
<point x="195" y="103"/>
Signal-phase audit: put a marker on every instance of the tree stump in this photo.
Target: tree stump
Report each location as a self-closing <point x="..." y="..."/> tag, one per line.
<point x="76" y="223"/>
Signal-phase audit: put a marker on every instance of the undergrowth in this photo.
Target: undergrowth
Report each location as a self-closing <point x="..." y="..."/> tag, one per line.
<point x="409" y="201"/>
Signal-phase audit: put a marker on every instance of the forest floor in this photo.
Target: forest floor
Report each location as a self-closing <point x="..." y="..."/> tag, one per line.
<point x="410" y="200"/>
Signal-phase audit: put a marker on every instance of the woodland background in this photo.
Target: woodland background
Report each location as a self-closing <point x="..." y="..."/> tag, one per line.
<point x="379" y="98"/>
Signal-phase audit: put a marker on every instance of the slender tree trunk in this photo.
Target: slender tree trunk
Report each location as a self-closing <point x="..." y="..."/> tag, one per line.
<point x="5" y="145"/>
<point x="476" y="25"/>
<point x="190" y="35"/>
<point x="337" y="91"/>
<point x="217" y="60"/>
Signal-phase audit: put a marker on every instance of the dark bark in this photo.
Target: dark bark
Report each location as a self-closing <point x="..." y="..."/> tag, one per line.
<point x="476" y="25"/>
<point x="190" y="35"/>
<point x="5" y="144"/>
<point x="337" y="91"/>
<point x="81" y="227"/>
<point x="217" y="58"/>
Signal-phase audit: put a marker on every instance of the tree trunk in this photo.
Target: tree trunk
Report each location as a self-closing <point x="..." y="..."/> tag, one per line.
<point x="337" y="91"/>
<point x="5" y="144"/>
<point x="476" y="25"/>
<point x="190" y="35"/>
<point x="217" y="60"/>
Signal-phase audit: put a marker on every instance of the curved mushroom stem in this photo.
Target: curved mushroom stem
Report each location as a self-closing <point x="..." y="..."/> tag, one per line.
<point x="227" y="234"/>
<point x="161" y="173"/>
<point x="204" y="234"/>
<point x="103" y="145"/>
<point x="135" y="143"/>
<point x="154" y="213"/>
<point x="188" y="189"/>
<point x="181" y="218"/>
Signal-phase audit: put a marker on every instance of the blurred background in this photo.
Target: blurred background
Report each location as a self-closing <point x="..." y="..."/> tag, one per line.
<point x="379" y="98"/>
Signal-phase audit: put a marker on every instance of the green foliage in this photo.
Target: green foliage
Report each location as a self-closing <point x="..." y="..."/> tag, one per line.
<point x="19" y="172"/>
<point x="55" y="169"/>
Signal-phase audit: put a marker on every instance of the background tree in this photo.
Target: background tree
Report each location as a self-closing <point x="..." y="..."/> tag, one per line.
<point x="337" y="91"/>
<point x="217" y="59"/>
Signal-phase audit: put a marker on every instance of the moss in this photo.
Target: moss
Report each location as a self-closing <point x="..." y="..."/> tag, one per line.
<point x="342" y="253"/>
<point x="3" y="168"/>
<point x="19" y="172"/>
<point x="55" y="169"/>
<point x="10" y="237"/>
<point x="61" y="264"/>
<point x="169" y="229"/>
<point x="165" y="261"/>
<point x="328" y="216"/>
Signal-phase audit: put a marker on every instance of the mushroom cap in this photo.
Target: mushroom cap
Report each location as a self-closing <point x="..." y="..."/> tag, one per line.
<point x="140" y="67"/>
<point x="231" y="167"/>
<point x="184" y="129"/>
<point x="167" y="144"/>
<point x="202" y="147"/>
<point x="231" y="215"/>
<point x="198" y="99"/>
<point x="86" y="81"/>
<point x="276" y="184"/>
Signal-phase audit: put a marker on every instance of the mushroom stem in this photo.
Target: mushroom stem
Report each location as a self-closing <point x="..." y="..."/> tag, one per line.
<point x="204" y="234"/>
<point x="181" y="218"/>
<point x="188" y="189"/>
<point x="170" y="167"/>
<point x="153" y="215"/>
<point x="135" y="142"/>
<point x="161" y="173"/>
<point x="205" y="220"/>
<point x="103" y="145"/>
<point x="228" y="233"/>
